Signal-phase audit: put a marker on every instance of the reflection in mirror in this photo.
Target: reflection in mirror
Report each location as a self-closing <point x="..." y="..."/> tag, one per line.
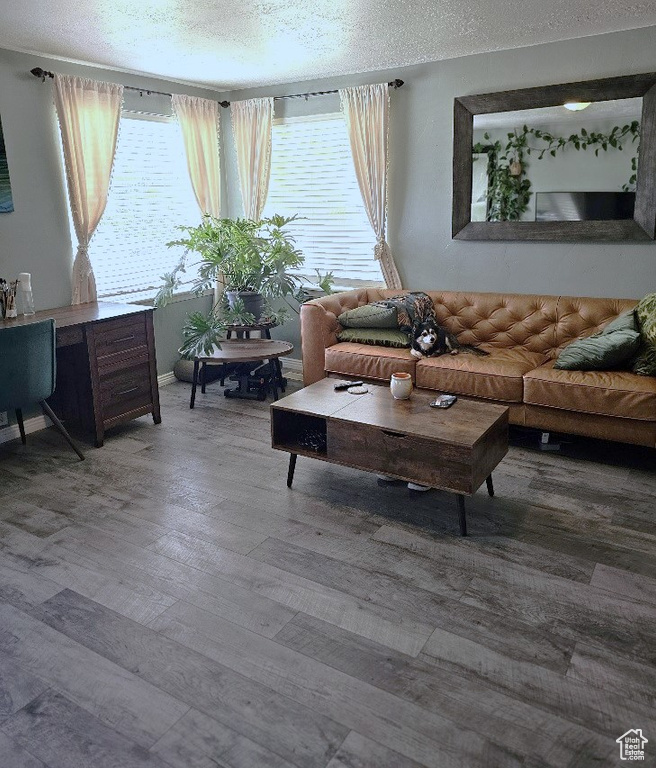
<point x="556" y="163"/>
<point x="549" y="173"/>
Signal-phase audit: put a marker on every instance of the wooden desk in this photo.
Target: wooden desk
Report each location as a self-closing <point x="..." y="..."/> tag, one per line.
<point x="106" y="368"/>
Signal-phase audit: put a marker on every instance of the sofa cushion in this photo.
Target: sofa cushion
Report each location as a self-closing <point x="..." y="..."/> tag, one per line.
<point x="497" y="377"/>
<point x="385" y="337"/>
<point x="369" y="316"/>
<point x="607" y="393"/>
<point x="378" y="363"/>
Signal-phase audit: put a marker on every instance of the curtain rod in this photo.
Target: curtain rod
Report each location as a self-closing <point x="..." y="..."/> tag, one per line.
<point x="393" y="84"/>
<point x="42" y="73"/>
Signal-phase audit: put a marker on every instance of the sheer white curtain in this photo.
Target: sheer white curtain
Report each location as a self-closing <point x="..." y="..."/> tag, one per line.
<point x="252" y="123"/>
<point x="366" y="111"/>
<point x="199" y="123"/>
<point x="89" y="114"/>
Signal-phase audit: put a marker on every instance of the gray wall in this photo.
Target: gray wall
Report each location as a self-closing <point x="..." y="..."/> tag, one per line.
<point x="35" y="237"/>
<point x="420" y="171"/>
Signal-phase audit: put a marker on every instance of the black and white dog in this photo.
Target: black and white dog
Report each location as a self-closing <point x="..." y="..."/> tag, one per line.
<point x="428" y="339"/>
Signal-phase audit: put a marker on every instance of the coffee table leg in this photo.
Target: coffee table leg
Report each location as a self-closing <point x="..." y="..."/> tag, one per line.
<point x="292" y="467"/>
<point x="461" y="514"/>
<point x="490" y="487"/>
<point x="194" y="383"/>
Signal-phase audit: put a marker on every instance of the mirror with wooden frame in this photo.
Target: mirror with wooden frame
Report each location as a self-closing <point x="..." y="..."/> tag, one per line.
<point x="527" y="168"/>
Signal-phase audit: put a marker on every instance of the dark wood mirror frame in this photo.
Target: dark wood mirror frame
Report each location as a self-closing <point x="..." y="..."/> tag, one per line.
<point x="643" y="225"/>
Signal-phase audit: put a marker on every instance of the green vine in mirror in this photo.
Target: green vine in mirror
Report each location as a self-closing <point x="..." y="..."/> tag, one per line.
<point x="509" y="191"/>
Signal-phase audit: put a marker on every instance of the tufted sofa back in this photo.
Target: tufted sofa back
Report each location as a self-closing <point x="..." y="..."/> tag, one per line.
<point x="542" y="324"/>
<point x="500" y="320"/>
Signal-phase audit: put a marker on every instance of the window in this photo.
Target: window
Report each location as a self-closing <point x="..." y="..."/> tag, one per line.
<point x="312" y="175"/>
<point x="150" y="195"/>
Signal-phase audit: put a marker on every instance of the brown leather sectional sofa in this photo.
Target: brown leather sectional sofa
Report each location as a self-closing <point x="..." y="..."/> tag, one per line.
<point x="523" y="334"/>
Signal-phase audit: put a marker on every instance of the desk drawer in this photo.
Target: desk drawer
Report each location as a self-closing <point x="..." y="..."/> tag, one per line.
<point x="409" y="456"/>
<point x="120" y="335"/>
<point x="125" y="390"/>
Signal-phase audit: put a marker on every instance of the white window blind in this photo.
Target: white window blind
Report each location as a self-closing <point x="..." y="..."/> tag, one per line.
<point x="150" y="194"/>
<point x="312" y="175"/>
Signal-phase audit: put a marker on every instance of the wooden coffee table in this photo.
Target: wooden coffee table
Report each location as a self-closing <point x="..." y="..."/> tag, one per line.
<point x="453" y="449"/>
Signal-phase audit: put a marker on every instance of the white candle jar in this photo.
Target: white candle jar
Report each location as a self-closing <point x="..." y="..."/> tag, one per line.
<point x="401" y="386"/>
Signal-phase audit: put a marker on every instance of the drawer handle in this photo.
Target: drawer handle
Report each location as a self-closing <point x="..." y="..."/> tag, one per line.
<point x="127" y="391"/>
<point x="125" y="338"/>
<point x="393" y="434"/>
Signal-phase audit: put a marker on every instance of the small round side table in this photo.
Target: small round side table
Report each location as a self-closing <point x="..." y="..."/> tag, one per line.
<point x="244" y="351"/>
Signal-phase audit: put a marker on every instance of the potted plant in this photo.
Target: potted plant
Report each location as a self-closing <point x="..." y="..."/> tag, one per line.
<point x="254" y="260"/>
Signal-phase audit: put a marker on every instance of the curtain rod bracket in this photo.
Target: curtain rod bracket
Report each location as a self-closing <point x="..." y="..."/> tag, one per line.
<point x="42" y="73"/>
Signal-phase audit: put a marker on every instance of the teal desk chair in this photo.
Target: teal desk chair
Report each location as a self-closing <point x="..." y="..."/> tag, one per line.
<point x="28" y="372"/>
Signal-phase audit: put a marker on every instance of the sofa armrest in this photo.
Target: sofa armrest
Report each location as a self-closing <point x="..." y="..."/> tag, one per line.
<point x="319" y="329"/>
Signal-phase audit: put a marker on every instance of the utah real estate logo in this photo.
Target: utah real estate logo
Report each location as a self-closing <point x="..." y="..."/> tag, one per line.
<point x="632" y="745"/>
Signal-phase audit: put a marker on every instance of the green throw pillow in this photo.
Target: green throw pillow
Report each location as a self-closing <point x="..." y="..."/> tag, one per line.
<point x="383" y="337"/>
<point x="599" y="352"/>
<point x="369" y="316"/>
<point x="627" y="321"/>
<point x="645" y="362"/>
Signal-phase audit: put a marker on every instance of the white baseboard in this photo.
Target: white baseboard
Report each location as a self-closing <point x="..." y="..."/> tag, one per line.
<point x="41" y="422"/>
<point x="31" y="425"/>
<point x="292" y="368"/>
<point x="166" y="378"/>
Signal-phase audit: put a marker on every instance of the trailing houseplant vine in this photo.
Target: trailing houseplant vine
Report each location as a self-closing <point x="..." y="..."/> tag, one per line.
<point x="509" y="191"/>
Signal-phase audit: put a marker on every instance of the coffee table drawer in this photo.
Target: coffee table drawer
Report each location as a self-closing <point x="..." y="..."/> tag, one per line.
<point x="404" y="455"/>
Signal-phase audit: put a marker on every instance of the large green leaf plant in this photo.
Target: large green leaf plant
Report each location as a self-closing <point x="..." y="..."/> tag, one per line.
<point x="243" y="255"/>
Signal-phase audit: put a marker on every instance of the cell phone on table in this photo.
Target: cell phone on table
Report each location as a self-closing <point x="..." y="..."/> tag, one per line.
<point x="443" y="401"/>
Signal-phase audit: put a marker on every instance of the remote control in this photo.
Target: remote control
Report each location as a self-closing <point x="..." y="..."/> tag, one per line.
<point x="346" y="384"/>
<point x="443" y="401"/>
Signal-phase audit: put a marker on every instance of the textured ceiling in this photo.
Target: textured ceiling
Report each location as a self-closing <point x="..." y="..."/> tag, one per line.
<point x="229" y="44"/>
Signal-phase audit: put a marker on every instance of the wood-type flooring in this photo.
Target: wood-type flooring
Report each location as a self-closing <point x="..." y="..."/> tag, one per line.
<point x="170" y="602"/>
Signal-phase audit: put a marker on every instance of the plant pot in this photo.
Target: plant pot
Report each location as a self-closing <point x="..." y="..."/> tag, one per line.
<point x="253" y="301"/>
<point x="515" y="168"/>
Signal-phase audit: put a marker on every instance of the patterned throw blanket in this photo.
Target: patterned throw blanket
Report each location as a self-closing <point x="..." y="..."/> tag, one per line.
<point x="411" y="308"/>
